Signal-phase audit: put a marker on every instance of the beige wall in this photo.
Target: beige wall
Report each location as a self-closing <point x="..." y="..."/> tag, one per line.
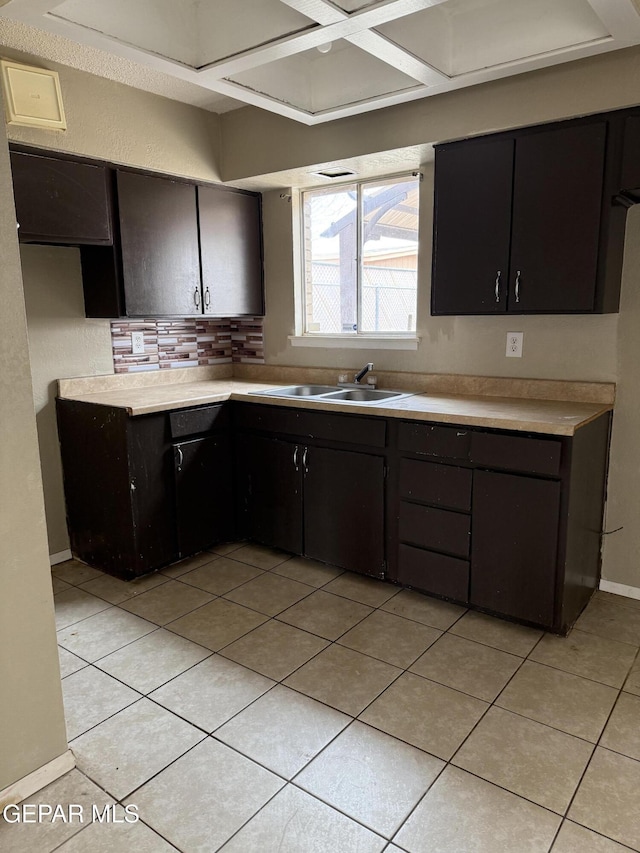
<point x="62" y="343"/>
<point x="114" y="122"/>
<point x="621" y="562"/>
<point x="560" y="347"/>
<point x="255" y="142"/>
<point x="593" y="348"/>
<point x="32" y="730"/>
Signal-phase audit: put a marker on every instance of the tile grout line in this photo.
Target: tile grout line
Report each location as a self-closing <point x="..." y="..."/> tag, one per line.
<point x="355" y="718"/>
<point x="597" y="746"/>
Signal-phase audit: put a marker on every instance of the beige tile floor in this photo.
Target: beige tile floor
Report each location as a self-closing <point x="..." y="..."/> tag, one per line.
<point x="245" y="700"/>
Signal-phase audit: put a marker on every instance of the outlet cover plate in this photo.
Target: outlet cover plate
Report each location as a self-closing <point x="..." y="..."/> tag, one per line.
<point x="514" y="344"/>
<point x="137" y="343"/>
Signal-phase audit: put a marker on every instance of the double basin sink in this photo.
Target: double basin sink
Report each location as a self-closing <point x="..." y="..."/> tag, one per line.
<point x="334" y="394"/>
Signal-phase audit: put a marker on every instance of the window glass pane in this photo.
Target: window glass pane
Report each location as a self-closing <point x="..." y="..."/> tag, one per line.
<point x="390" y="255"/>
<point x="330" y="265"/>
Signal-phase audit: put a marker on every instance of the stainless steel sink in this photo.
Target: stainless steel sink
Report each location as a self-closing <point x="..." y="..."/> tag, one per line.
<point x="363" y="395"/>
<point x="334" y="394"/>
<point x="299" y="391"/>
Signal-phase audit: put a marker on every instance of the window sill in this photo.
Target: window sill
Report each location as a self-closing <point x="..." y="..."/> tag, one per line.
<point x="370" y="342"/>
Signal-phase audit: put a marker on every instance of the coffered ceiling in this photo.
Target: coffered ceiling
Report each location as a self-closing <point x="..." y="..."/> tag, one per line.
<point x="316" y="60"/>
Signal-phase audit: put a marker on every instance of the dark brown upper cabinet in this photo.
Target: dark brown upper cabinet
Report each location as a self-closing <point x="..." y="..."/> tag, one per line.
<point x="230" y="251"/>
<point x="472" y="227"/>
<point x="523" y="221"/>
<point x="159" y="243"/>
<point x="183" y="250"/>
<point x="151" y="245"/>
<point x="61" y="201"/>
<point x="630" y="167"/>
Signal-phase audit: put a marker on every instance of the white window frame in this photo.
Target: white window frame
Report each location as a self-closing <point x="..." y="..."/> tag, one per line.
<point x="346" y="340"/>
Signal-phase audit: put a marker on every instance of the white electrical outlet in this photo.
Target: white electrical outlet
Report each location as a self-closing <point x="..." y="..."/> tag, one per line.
<point x="514" y="344"/>
<point x="137" y="343"/>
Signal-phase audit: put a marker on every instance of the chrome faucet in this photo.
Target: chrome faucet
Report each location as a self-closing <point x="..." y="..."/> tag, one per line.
<point x="357" y="379"/>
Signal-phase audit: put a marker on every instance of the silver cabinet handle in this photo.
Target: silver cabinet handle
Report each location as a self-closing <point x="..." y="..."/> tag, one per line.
<point x="207" y="298"/>
<point x="304" y="460"/>
<point x="461" y="433"/>
<point x="180" y="457"/>
<point x="295" y="458"/>
<point x="196" y="297"/>
<point x="518" y="286"/>
<point x="498" y="285"/>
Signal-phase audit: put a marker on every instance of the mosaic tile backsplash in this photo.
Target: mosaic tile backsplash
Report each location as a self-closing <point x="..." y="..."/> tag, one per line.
<point x="191" y="342"/>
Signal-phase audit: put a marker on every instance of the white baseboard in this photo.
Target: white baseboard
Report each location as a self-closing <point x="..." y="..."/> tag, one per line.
<point x="60" y="557"/>
<point x="620" y="589"/>
<point x="37" y="780"/>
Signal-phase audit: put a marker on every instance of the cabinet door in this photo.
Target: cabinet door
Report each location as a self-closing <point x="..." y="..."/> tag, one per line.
<point x="270" y="491"/>
<point x="514" y="545"/>
<point x="557" y="197"/>
<point x="231" y="252"/>
<point x="472" y="223"/>
<point x="59" y="201"/>
<point x="204" y="493"/>
<point x="344" y="509"/>
<point x="630" y="169"/>
<point x="159" y="237"/>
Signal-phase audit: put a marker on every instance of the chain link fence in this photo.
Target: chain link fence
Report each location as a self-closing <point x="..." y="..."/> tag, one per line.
<point x="388" y="299"/>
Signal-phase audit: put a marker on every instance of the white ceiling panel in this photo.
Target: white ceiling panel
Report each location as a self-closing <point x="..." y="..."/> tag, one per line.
<point x="161" y="26"/>
<point x="272" y="53"/>
<point x="461" y="36"/>
<point x="315" y="82"/>
<point x="193" y="32"/>
<point x="229" y="27"/>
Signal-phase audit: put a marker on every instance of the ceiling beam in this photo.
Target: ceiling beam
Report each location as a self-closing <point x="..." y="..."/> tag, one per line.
<point x="391" y="53"/>
<point x="343" y="27"/>
<point x="325" y="13"/>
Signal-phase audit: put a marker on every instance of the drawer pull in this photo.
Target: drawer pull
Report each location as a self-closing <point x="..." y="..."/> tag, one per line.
<point x="498" y="286"/>
<point x="461" y="433"/>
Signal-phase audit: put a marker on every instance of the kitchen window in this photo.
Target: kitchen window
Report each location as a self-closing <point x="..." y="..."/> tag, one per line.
<point x="360" y="252"/>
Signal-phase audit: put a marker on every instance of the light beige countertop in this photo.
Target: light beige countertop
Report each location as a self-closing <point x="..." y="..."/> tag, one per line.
<point x="555" y="417"/>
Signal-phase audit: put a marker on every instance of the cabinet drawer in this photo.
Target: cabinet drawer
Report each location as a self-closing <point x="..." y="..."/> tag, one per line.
<point x="283" y="421"/>
<point x="431" y="483"/>
<point x="194" y="421"/>
<point x="351" y="429"/>
<point x="517" y="453"/>
<point x="433" y="572"/>
<point x="434" y="440"/>
<point x="439" y="529"/>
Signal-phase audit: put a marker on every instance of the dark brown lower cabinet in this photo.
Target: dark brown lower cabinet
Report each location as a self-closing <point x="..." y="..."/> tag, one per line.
<point x="203" y="472"/>
<point x="344" y="509"/>
<point x="269" y="487"/>
<point x="141" y="492"/>
<point x="508" y="522"/>
<point x="438" y="573"/>
<point x="504" y="521"/>
<point x="515" y="545"/>
<point x="118" y="488"/>
<point x="320" y="502"/>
